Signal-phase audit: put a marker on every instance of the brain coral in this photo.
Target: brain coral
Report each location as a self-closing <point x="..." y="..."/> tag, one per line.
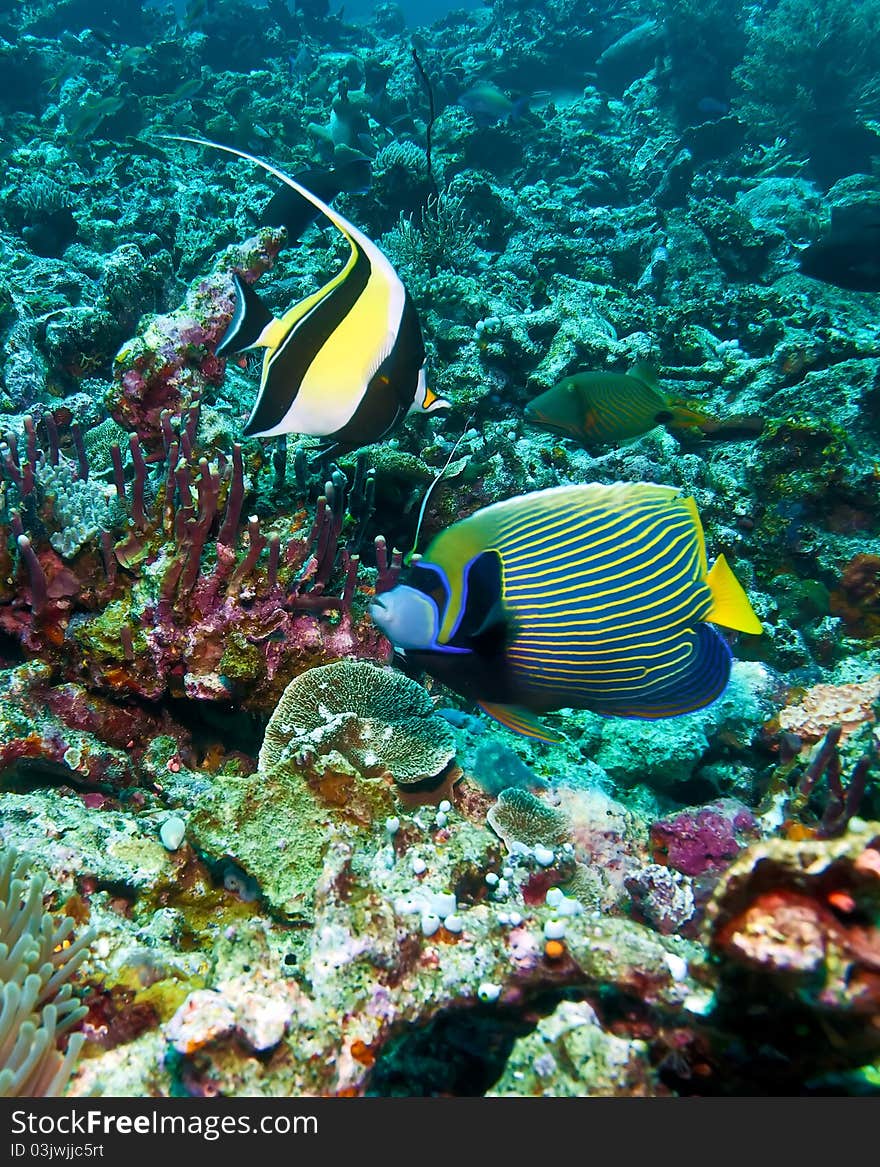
<point x="379" y="720"/>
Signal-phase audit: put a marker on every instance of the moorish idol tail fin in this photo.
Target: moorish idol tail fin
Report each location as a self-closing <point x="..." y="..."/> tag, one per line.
<point x="703" y="678"/>
<point x="348" y="229"/>
<point x="730" y="604"/>
<point x="249" y="321"/>
<point x="520" y="720"/>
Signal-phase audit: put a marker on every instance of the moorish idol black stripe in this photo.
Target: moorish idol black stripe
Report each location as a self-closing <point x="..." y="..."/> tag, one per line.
<point x="347" y="362"/>
<point x="588" y="597"/>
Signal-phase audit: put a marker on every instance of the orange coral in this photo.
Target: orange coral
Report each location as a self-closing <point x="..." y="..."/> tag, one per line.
<point x="849" y="705"/>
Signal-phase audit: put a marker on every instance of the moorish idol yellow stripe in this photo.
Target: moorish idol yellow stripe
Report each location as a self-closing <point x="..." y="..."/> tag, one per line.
<point x="589" y="597"/>
<point x="346" y="362"/>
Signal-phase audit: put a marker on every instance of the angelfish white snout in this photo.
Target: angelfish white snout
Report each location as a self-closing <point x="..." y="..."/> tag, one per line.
<point x="408" y="617"/>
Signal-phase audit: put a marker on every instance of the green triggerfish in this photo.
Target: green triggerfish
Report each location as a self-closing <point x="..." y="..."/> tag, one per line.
<point x="602" y="409"/>
<point x="486" y="103"/>
<point x="345" y="363"/>
<point x="589" y="597"/>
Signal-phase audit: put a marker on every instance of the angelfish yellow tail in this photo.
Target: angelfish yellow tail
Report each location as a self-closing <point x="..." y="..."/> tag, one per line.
<point x="730" y="604"/>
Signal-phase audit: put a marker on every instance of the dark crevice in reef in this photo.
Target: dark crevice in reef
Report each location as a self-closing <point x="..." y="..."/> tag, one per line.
<point x="25" y="775"/>
<point x="11" y="651"/>
<point x="221" y="722"/>
<point x="461" y="1053"/>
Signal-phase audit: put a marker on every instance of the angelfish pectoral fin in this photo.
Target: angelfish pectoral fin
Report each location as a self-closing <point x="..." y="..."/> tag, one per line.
<point x="249" y="320"/>
<point x="521" y="721"/>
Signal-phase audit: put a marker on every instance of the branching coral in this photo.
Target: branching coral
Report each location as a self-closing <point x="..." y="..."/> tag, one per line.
<point x="37" y="1006"/>
<point x="843" y="801"/>
<point x="809" y="69"/>
<point x="441" y="237"/>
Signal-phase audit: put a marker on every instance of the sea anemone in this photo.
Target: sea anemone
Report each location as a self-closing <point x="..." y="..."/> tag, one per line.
<point x="37" y="960"/>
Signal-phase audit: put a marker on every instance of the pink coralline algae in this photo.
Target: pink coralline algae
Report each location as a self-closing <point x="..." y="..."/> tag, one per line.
<point x="662" y="898"/>
<point x="705" y="839"/>
<point x="172" y="360"/>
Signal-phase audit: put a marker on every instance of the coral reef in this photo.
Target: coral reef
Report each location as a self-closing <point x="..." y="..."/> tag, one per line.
<point x="794" y="926"/>
<point x="307" y="868"/>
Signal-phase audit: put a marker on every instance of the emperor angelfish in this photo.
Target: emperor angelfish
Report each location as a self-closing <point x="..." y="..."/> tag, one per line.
<point x="589" y="597"/>
<point x="345" y="363"/>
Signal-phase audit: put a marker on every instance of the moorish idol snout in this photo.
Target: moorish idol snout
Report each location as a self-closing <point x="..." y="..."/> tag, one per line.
<point x="588" y="597"/>
<point x="345" y="363"/>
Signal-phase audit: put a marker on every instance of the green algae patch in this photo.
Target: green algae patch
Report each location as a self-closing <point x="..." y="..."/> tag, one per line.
<point x="146" y="855"/>
<point x="585" y="1060"/>
<point x="634" y="958"/>
<point x="240" y="661"/>
<point x="276" y="826"/>
<point x="102" y="634"/>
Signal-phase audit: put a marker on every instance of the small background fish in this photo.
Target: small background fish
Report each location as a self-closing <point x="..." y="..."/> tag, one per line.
<point x="486" y="103"/>
<point x="602" y="409"/>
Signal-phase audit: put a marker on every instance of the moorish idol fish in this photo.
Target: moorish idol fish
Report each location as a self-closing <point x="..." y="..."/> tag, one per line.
<point x="589" y="597"/>
<point x="345" y="363"/>
<point x="600" y="409"/>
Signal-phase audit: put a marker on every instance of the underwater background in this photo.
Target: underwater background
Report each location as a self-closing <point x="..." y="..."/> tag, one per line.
<point x="249" y="847"/>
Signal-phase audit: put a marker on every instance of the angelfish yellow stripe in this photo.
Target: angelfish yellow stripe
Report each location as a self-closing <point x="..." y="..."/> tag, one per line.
<point x="634" y="535"/>
<point x="557" y="625"/>
<point x="543" y="526"/>
<point x="599" y="649"/>
<point x="517" y="581"/>
<point x="541" y="606"/>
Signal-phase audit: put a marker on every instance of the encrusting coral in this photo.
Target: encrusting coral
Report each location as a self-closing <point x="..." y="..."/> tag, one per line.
<point x="812" y="714"/>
